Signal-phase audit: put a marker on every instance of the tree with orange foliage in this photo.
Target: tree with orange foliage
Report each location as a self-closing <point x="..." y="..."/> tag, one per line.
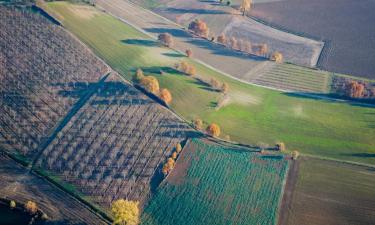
<point x="277" y="57"/>
<point x="262" y="49"/>
<point x="233" y="43"/>
<point x="165" y="95"/>
<point x="213" y="129"/>
<point x="166" y="39"/>
<point x="224" y="88"/>
<point x="31" y="207"/>
<point x="138" y="75"/>
<point x="178" y="148"/>
<point x="174" y="155"/>
<point x="355" y="89"/>
<point x="150" y="83"/>
<point x="189" y="53"/>
<point x="199" y="27"/>
<point x="222" y="39"/>
<point x="187" y="68"/>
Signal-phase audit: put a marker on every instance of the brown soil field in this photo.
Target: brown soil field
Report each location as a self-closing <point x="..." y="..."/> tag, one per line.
<point x="329" y="192"/>
<point x="346" y="26"/>
<point x="21" y="185"/>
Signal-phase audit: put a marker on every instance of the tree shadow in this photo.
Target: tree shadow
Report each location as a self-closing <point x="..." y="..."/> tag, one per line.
<point x="172" y="31"/>
<point x="141" y="42"/>
<point x="175" y="55"/>
<point x="195" y="11"/>
<point x="361" y="155"/>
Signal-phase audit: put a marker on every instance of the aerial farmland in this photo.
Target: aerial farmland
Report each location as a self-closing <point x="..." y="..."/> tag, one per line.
<point x="186" y="112"/>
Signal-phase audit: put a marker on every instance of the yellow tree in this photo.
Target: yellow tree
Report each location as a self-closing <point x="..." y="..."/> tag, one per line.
<point x="150" y="83"/>
<point x="165" y="95"/>
<point x="31" y="207"/>
<point x="213" y="129"/>
<point x="245" y="6"/>
<point x="125" y="212"/>
<point x="277" y="57"/>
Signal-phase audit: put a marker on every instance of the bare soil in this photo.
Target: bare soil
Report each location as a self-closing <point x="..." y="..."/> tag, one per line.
<point x="346" y="26"/>
<point x="20" y="185"/>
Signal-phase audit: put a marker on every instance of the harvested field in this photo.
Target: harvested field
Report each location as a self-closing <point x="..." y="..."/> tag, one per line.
<point x="215" y="184"/>
<point x="18" y="184"/>
<point x="114" y="145"/>
<point x="39" y="64"/>
<point x="223" y="19"/>
<point x="333" y="193"/>
<point x="347" y="27"/>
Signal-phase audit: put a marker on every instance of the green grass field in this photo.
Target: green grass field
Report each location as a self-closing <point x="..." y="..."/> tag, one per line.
<point x="253" y="115"/>
<point x="333" y="193"/>
<point x="212" y="184"/>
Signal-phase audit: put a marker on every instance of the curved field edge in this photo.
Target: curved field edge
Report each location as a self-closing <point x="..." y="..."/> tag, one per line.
<point x="213" y="184"/>
<point x="253" y="115"/>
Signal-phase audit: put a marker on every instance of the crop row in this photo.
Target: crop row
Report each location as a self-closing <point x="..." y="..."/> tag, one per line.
<point x="43" y="71"/>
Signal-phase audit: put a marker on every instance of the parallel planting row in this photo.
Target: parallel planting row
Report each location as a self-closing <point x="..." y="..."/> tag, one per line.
<point x="215" y="184"/>
<point x="39" y="64"/>
<point x="115" y="144"/>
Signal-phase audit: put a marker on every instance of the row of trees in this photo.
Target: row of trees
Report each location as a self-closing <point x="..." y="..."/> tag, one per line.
<point x="169" y="165"/>
<point x="151" y="84"/>
<point x="212" y="129"/>
<point x="353" y="88"/>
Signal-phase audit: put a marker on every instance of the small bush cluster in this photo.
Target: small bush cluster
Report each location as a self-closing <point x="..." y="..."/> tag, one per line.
<point x="351" y="88"/>
<point x="213" y="129"/>
<point x="171" y="161"/>
<point x="166" y="39"/>
<point x="186" y="68"/>
<point x="199" y="27"/>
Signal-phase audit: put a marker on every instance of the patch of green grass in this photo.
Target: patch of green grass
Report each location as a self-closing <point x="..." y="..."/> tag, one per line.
<point x="253" y="115"/>
<point x="333" y="193"/>
<point x="212" y="184"/>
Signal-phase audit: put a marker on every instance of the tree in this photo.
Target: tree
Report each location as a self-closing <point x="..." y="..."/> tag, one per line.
<point x="246" y="47"/>
<point x="174" y="155"/>
<point x="187" y="68"/>
<point x="150" y="83"/>
<point x="31" y="207"/>
<point x="213" y="129"/>
<point x="277" y="57"/>
<point x="178" y="148"/>
<point x="165" y="95"/>
<point x="262" y="49"/>
<point x="355" y="89"/>
<point x="199" y="27"/>
<point x="12" y="204"/>
<point x="189" y="53"/>
<point x="215" y="84"/>
<point x="125" y="212"/>
<point x="245" y="6"/>
<point x="295" y="155"/>
<point x="233" y="43"/>
<point x="166" y="39"/>
<point x="222" y="39"/>
<point x="224" y="88"/>
<point x="137" y="77"/>
<point x="198" y="124"/>
<point x="280" y="146"/>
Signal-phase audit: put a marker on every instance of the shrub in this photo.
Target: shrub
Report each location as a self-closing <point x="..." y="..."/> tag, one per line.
<point x="199" y="27"/>
<point x="246" y="47"/>
<point x="165" y="95"/>
<point x="125" y="212"/>
<point x="215" y="84"/>
<point x="355" y="89"/>
<point x="277" y="57"/>
<point x="198" y="124"/>
<point x="166" y="39"/>
<point x="229" y="3"/>
<point x="137" y="77"/>
<point x="222" y="39"/>
<point x="213" y="129"/>
<point x="189" y="53"/>
<point x="31" y="207"/>
<point x="150" y="83"/>
<point x="245" y="6"/>
<point x="233" y="43"/>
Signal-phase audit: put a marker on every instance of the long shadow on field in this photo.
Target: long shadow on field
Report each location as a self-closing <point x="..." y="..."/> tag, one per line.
<point x="366" y="103"/>
<point x="221" y="50"/>
<point x="176" y="55"/>
<point x="160" y="70"/>
<point x="195" y="11"/>
<point x="142" y="42"/>
<point x="361" y="155"/>
<point x="173" y="32"/>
